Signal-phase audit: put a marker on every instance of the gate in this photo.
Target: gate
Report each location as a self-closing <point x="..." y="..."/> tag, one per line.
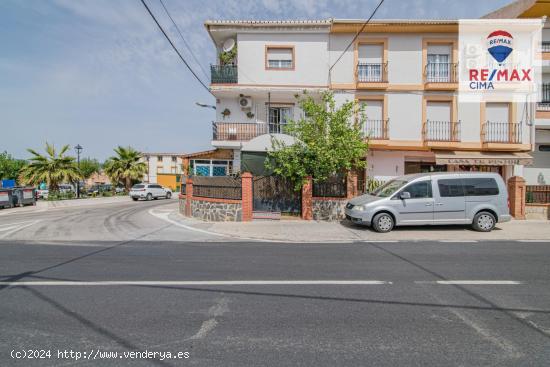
<point x="275" y="194"/>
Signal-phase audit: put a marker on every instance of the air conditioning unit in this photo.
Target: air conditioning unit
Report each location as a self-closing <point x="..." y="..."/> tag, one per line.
<point x="245" y="102"/>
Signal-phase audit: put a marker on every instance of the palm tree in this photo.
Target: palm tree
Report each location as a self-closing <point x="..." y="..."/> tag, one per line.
<point x="53" y="168"/>
<point x="125" y="166"/>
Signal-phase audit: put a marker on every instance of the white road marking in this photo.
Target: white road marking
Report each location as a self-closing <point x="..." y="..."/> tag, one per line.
<point x="18" y="228"/>
<point x="195" y="282"/>
<point x="477" y="282"/>
<point x="206" y="327"/>
<point x="530" y="241"/>
<point x="381" y="241"/>
<point x="459" y="241"/>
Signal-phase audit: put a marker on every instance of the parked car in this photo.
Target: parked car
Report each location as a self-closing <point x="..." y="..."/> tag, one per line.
<point x="99" y="188"/>
<point x="479" y="199"/>
<point x="42" y="194"/>
<point x="66" y="189"/>
<point x="149" y="192"/>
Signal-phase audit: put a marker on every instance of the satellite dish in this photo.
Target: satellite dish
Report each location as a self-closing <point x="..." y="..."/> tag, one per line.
<point x="228" y="44"/>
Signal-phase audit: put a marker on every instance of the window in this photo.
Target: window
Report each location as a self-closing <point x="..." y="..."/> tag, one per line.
<point x="278" y="117"/>
<point x="419" y="190"/>
<point x="480" y="186"/>
<point x="279" y="57"/>
<point x="174" y="159"/>
<point x="438" y="68"/>
<point x="159" y="158"/>
<point x="450" y="188"/>
<point x="370" y="63"/>
<point x="544" y="148"/>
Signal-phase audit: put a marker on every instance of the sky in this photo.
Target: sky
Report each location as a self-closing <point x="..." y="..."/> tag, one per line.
<point x="100" y="74"/>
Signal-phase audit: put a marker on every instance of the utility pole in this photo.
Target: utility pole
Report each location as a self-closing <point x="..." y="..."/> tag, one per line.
<point x="78" y="148"/>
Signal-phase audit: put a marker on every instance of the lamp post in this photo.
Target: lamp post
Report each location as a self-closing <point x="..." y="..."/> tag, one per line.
<point x="78" y="148"/>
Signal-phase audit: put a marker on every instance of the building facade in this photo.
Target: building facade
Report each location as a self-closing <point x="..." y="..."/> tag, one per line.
<point x="163" y="168"/>
<point x="403" y="72"/>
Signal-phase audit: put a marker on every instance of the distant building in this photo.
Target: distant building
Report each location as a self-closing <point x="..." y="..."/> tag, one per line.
<point x="98" y="179"/>
<point x="164" y="168"/>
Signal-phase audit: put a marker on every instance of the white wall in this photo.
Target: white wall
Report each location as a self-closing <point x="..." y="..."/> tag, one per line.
<point x="310" y="59"/>
<point x="259" y="109"/>
<point x="405" y="114"/>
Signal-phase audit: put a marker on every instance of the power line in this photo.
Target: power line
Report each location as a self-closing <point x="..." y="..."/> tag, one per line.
<point x="357" y="34"/>
<point x="183" y="39"/>
<point x="174" y="47"/>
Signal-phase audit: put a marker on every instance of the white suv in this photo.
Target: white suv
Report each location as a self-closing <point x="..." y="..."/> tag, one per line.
<point x="149" y="192"/>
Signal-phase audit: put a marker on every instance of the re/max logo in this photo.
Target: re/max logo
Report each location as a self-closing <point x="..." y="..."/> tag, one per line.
<point x="484" y="78"/>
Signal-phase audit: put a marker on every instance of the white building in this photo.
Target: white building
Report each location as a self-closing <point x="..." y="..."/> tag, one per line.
<point x="404" y="71"/>
<point x="163" y="168"/>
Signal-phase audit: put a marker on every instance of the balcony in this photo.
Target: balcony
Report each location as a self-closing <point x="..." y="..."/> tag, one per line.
<point x="439" y="75"/>
<point x="376" y="129"/>
<point x="239" y="131"/>
<point x="441" y="131"/>
<point x="223" y="74"/>
<point x="371" y="75"/>
<point x="544" y="104"/>
<point x="545" y="47"/>
<point x="501" y="132"/>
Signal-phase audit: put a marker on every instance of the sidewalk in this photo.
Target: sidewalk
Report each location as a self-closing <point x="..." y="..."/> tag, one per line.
<point x="313" y="231"/>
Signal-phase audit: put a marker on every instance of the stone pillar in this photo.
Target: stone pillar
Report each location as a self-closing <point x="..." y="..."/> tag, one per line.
<point x="246" y="196"/>
<point x="189" y="196"/>
<point x="516" y="194"/>
<point x="351" y="184"/>
<point x="307" y="199"/>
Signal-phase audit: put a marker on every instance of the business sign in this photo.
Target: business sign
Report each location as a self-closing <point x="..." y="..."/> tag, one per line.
<point x="499" y="60"/>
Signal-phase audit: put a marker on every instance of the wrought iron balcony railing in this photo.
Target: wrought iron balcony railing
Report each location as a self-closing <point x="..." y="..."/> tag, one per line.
<point x="376" y="129"/>
<point x="545" y="47"/>
<point x="239" y="131"/>
<point x="441" y="131"/>
<point x="441" y="72"/>
<point x="372" y="73"/>
<point x="501" y="132"/>
<point x="226" y="74"/>
<point x="544" y="104"/>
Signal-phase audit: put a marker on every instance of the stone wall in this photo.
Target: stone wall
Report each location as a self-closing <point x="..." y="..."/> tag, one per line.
<point x="216" y="211"/>
<point x="182" y="205"/>
<point x="537" y="211"/>
<point x="329" y="209"/>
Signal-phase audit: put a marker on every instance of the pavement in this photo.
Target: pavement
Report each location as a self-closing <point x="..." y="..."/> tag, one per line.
<point x="98" y="283"/>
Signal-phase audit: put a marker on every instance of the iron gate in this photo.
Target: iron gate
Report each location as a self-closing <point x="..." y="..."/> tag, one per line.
<point x="275" y="194"/>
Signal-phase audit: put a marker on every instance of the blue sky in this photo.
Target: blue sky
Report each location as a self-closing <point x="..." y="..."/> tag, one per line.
<point x="100" y="74"/>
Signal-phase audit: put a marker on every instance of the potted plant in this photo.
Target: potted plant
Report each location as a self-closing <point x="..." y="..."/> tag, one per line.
<point x="228" y="57"/>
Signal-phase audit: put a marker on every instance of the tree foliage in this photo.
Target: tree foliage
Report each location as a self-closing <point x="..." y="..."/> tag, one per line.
<point x="89" y="166"/>
<point x="125" y="167"/>
<point x="10" y="167"/>
<point x="329" y="140"/>
<point x="53" y="168"/>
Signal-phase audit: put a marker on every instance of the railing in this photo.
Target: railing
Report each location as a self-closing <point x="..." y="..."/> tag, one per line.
<point x="239" y="131"/>
<point x="375" y="73"/>
<point x="441" y="131"/>
<point x="376" y="129"/>
<point x="539" y="194"/>
<point x="334" y="186"/>
<point x="544" y="104"/>
<point x="501" y="132"/>
<point x="223" y="74"/>
<point x="225" y="187"/>
<point x="441" y="72"/>
<point x="545" y="47"/>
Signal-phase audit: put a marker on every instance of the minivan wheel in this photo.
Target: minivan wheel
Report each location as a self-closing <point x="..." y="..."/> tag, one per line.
<point x="149" y="197"/>
<point x="484" y="222"/>
<point x="168" y="195"/>
<point x="383" y="222"/>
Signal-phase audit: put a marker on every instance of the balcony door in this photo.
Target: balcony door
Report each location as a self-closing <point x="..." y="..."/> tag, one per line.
<point x="370" y="63"/>
<point x="438" y="125"/>
<point x="438" y="69"/>
<point x="374" y="124"/>
<point x="278" y="117"/>
<point x="498" y="124"/>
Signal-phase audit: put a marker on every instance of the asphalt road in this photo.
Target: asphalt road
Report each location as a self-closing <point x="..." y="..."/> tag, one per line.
<point x="114" y="278"/>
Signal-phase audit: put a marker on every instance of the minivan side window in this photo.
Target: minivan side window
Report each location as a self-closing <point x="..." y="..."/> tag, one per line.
<point x="450" y="187"/>
<point x="419" y="190"/>
<point x="480" y="186"/>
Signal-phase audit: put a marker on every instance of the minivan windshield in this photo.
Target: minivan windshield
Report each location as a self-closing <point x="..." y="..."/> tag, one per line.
<point x="389" y="188"/>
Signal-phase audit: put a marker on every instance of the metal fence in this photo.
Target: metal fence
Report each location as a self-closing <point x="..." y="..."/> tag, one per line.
<point x="441" y="131"/>
<point x="334" y="186"/>
<point x="222" y="187"/>
<point x="376" y="129"/>
<point x="441" y="72"/>
<point x="223" y="74"/>
<point x="539" y="194"/>
<point x="501" y="132"/>
<point x="369" y="72"/>
<point x="545" y="47"/>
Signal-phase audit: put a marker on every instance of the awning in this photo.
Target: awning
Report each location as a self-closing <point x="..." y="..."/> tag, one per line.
<point x="483" y="158"/>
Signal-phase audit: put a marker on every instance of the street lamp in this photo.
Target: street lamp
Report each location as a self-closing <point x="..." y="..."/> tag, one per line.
<point x="205" y="105"/>
<point x="78" y="149"/>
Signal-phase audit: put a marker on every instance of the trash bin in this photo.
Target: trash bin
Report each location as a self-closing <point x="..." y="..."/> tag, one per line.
<point x="23" y="196"/>
<point x="6" y="198"/>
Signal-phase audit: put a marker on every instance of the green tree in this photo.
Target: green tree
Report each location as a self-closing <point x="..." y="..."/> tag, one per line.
<point x="89" y="166"/>
<point x="125" y="167"/>
<point x="53" y="168"/>
<point x="329" y="140"/>
<point x="10" y="167"/>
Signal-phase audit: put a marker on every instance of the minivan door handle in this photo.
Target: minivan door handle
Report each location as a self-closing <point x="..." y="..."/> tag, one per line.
<point x="438" y="204"/>
<point x="428" y="204"/>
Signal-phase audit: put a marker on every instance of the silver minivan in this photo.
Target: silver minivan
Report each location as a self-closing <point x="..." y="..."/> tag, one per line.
<point x="476" y="198"/>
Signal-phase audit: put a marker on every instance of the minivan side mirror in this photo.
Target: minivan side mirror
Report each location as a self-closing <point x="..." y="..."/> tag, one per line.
<point x="405" y="195"/>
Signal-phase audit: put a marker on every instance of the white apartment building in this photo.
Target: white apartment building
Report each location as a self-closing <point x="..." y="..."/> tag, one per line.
<point x="163" y="168"/>
<point x="404" y="71"/>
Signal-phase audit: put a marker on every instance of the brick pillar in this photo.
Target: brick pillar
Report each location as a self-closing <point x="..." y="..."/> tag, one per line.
<point x="516" y="194"/>
<point x="189" y="196"/>
<point x="307" y="199"/>
<point x="246" y="196"/>
<point x="351" y="184"/>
